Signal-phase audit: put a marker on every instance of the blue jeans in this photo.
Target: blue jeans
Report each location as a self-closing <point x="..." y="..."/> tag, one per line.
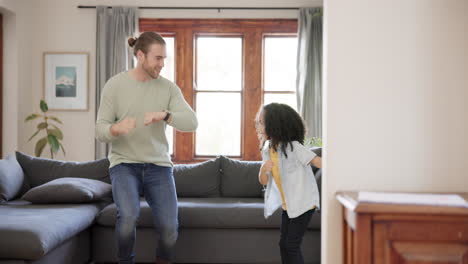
<point x="129" y="180"/>
<point x="292" y="232"/>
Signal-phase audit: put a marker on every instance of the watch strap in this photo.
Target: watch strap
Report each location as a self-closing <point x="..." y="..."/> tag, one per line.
<point x="168" y="115"/>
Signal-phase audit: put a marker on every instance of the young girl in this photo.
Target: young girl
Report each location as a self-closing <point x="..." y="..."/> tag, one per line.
<point x="289" y="180"/>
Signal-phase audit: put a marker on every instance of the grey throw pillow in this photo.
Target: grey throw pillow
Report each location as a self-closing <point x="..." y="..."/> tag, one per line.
<point x="240" y="178"/>
<point x="11" y="178"/>
<point x="69" y="190"/>
<point x="38" y="171"/>
<point x="197" y="180"/>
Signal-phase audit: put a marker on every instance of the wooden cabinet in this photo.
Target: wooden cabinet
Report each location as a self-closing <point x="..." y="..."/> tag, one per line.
<point x="381" y="233"/>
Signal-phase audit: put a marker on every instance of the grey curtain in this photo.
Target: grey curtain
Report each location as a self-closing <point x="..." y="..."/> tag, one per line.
<point x="309" y="69"/>
<point x="114" y="26"/>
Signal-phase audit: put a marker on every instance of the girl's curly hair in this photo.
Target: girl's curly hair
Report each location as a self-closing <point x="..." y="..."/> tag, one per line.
<point x="282" y="126"/>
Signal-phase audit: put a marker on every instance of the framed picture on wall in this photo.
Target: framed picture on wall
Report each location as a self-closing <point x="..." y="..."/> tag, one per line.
<point x="66" y="80"/>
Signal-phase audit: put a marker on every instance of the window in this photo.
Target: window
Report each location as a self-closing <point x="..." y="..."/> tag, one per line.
<point x="226" y="69"/>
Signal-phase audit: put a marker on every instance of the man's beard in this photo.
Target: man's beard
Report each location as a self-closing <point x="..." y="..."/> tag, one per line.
<point x="150" y="71"/>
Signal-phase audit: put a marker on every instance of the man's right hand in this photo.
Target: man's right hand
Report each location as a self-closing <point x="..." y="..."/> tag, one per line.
<point x="123" y="127"/>
<point x="267" y="166"/>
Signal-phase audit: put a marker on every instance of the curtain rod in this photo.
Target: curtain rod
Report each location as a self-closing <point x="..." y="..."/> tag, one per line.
<point x="205" y="8"/>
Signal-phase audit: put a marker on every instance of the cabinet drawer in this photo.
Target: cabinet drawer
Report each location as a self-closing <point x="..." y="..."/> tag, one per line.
<point x="420" y="243"/>
<point x="428" y="231"/>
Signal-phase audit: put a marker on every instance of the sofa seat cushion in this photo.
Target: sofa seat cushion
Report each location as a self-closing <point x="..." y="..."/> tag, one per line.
<point x="217" y="212"/>
<point x="30" y="231"/>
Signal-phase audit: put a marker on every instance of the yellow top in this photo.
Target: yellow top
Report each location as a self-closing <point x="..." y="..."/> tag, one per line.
<point x="276" y="175"/>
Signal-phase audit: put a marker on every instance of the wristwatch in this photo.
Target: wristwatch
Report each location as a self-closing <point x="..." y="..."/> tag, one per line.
<point x="168" y="114"/>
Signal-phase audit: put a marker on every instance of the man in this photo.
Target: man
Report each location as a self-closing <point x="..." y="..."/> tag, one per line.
<point x="135" y="108"/>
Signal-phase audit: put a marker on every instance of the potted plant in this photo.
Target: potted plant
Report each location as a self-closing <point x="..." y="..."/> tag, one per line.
<point x="313" y="141"/>
<point x="53" y="134"/>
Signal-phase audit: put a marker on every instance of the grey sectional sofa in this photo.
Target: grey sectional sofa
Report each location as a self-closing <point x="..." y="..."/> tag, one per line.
<point x="220" y="218"/>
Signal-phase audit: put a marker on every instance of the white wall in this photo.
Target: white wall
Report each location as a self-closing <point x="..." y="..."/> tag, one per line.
<point x="16" y="71"/>
<point x="59" y="26"/>
<point x="396" y="116"/>
<point x="10" y="96"/>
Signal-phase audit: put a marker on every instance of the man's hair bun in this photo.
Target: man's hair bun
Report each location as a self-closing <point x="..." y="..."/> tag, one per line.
<point x="132" y="41"/>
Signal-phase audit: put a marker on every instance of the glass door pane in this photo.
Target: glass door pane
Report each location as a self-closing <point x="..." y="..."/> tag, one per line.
<point x="219" y="63"/>
<point x="219" y="124"/>
<point x="280" y="63"/>
<point x="289" y="99"/>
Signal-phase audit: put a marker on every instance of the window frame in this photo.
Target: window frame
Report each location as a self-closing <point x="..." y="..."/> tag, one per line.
<point x="253" y="32"/>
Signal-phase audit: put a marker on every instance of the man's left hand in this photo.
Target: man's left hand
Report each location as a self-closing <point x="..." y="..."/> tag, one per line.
<point x="153" y="117"/>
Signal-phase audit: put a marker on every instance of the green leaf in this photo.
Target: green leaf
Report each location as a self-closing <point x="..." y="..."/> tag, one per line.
<point x="40" y="146"/>
<point x="53" y="142"/>
<point x="44" y="107"/>
<point x="31" y="117"/>
<point x="63" y="149"/>
<point x="34" y="135"/>
<point x="56" y="132"/>
<point x="313" y="141"/>
<point x="42" y="125"/>
<point x="55" y="119"/>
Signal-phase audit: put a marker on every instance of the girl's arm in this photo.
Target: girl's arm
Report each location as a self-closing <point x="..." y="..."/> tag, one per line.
<point x="316" y="161"/>
<point x="262" y="175"/>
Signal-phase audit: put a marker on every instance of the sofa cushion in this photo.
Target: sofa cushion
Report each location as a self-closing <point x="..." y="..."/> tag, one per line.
<point x="69" y="190"/>
<point x="31" y="231"/>
<point x="317" y="150"/>
<point x="40" y="170"/>
<point x="217" y="212"/>
<point x="11" y="178"/>
<point x="240" y="178"/>
<point x="197" y="180"/>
